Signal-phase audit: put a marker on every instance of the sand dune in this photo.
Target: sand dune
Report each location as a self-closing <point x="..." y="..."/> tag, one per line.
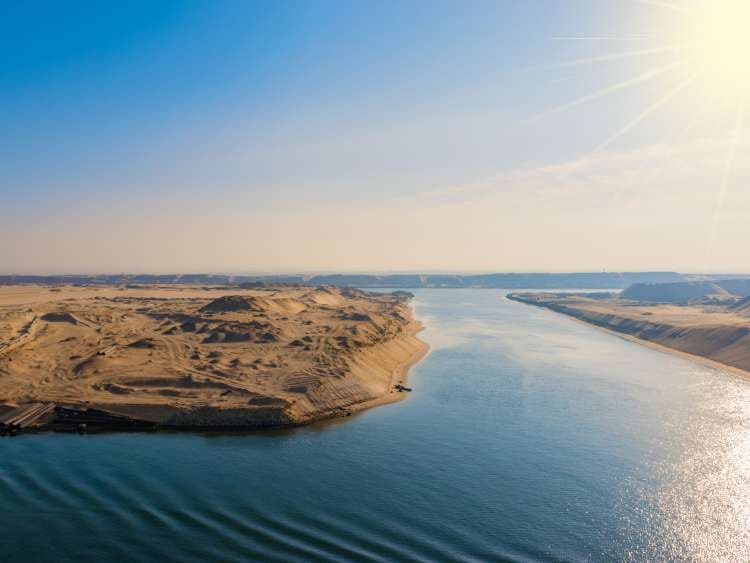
<point x="189" y="356"/>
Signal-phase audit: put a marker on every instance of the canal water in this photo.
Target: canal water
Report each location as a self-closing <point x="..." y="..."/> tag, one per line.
<point x="528" y="437"/>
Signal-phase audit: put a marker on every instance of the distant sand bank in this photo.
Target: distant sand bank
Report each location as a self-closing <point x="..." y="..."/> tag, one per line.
<point x="710" y="335"/>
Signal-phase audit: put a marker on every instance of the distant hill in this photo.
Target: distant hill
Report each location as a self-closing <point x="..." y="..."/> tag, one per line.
<point x="683" y="292"/>
<point x="596" y="280"/>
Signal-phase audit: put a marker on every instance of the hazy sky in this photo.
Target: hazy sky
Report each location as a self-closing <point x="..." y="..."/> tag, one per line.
<point x="392" y="135"/>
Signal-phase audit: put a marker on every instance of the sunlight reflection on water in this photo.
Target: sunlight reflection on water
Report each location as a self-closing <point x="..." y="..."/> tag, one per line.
<point x="701" y="511"/>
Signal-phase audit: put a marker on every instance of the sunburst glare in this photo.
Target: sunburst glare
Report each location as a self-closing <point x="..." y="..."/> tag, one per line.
<point x="716" y="43"/>
<point x="704" y="45"/>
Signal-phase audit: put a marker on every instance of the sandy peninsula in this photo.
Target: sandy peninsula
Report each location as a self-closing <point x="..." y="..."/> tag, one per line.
<point x="194" y="357"/>
<point x="710" y="327"/>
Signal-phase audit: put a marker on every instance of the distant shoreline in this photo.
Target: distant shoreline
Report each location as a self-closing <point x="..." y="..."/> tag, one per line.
<point x="507" y="280"/>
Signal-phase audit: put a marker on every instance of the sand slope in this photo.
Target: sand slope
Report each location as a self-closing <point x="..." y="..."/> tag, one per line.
<point x="715" y="332"/>
<point x="190" y="356"/>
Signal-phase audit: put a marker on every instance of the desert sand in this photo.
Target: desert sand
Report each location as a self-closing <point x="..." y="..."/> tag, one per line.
<point x="716" y="333"/>
<point x="191" y="356"/>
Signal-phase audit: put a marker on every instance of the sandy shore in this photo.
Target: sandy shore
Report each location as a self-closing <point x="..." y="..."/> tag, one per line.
<point x="210" y="357"/>
<point x="708" y="336"/>
<point x="400" y="376"/>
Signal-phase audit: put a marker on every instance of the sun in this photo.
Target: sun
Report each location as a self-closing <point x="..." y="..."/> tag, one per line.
<point x="716" y="44"/>
<point x="698" y="51"/>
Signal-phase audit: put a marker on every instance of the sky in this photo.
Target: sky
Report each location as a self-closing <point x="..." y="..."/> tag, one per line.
<point x="309" y="136"/>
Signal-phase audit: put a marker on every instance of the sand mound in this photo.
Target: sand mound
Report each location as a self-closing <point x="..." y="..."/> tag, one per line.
<point x="353" y="292"/>
<point x="181" y="328"/>
<point x="355" y="316"/>
<point x="227" y="303"/>
<point x="674" y="292"/>
<point x="143" y="343"/>
<point x="60" y="317"/>
<point x="281" y="306"/>
<point x="265" y="305"/>
<point x="330" y="297"/>
<point x="225" y="336"/>
<point x="684" y="292"/>
<point x="268" y="337"/>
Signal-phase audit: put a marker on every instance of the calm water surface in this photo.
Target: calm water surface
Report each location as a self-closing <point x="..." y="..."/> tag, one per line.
<point x="528" y="437"/>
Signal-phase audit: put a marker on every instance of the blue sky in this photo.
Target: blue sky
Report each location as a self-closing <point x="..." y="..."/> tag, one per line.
<point x="269" y="136"/>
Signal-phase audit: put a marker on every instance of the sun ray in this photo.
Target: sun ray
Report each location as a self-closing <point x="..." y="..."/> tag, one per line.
<point x="609" y="57"/>
<point x="635" y="122"/>
<point x="689" y="126"/>
<point x="640" y="79"/>
<point x="729" y="163"/>
<point x="603" y="38"/>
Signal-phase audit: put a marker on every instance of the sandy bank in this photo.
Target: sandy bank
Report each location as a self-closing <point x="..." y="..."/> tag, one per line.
<point x="189" y="357"/>
<point x="711" y="335"/>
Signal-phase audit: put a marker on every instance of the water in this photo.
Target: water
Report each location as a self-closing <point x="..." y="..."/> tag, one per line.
<point x="529" y="437"/>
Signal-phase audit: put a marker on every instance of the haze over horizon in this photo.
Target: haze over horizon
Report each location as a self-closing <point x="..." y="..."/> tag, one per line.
<point x="555" y="135"/>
